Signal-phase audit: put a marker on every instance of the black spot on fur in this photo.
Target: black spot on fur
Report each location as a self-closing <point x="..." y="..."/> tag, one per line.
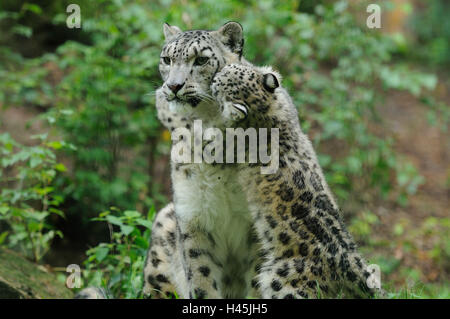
<point x="162" y="278"/>
<point x="272" y="222"/>
<point x="171" y="238"/>
<point x="312" y="224"/>
<point x="204" y="270"/>
<point x="299" y="180"/>
<point x="156" y="262"/>
<point x="284" y="238"/>
<point x="311" y="284"/>
<point x="254" y="283"/>
<point x="332" y="249"/>
<point x="315" y="181"/>
<point x="276" y="285"/>
<point x="299" y="211"/>
<point x="152" y="281"/>
<point x="194" y="253"/>
<point x="303" y="249"/>
<point x="307" y="197"/>
<point x="285" y="192"/>
<point x="299" y="265"/>
<point x="294" y="225"/>
<point x="283" y="271"/>
<point x="288" y="253"/>
<point x="324" y="203"/>
<point x="351" y="276"/>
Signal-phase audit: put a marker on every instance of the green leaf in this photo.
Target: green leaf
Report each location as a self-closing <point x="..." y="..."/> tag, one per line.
<point x="60" y="167"/>
<point x="398" y="229"/>
<point x="41" y="137"/>
<point x="101" y="253"/>
<point x="22" y="30"/>
<point x="132" y="214"/>
<point x="114" y="220"/>
<point x="4" y="209"/>
<point x="126" y="230"/>
<point x="35" y="161"/>
<point x="32" y="7"/>
<point x="145" y="223"/>
<point x="3" y="236"/>
<point x="56" y="145"/>
<point x="34" y="226"/>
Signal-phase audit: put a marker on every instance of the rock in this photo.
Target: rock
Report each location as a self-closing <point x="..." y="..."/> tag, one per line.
<point x="20" y="278"/>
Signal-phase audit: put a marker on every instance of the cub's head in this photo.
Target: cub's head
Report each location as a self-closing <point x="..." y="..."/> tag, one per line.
<point x="243" y="91"/>
<point x="189" y="60"/>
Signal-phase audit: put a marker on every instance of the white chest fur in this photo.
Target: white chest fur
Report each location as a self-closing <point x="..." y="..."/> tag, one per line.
<point x="211" y="198"/>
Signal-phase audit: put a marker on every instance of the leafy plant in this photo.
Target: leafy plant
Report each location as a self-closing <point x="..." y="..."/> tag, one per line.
<point x="27" y="199"/>
<point x="433" y="32"/>
<point x="118" y="265"/>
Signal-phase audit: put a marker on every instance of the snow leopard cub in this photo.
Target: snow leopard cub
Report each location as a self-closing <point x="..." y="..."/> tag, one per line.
<point x="307" y="250"/>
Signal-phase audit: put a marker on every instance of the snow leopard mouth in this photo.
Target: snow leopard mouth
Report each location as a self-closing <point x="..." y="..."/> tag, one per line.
<point x="192" y="101"/>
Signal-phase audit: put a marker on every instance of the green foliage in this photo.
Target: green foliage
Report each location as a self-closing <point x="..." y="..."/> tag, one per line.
<point x="422" y="291"/>
<point x="27" y="199"/>
<point x="100" y="106"/>
<point x="118" y="265"/>
<point x="427" y="242"/>
<point x="432" y="27"/>
<point x="103" y="109"/>
<point x="361" y="226"/>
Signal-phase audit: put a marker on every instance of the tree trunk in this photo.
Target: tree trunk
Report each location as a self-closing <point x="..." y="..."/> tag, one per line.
<point x="21" y="279"/>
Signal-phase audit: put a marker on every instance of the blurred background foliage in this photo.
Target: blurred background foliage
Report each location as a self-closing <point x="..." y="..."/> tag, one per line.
<point x="374" y="102"/>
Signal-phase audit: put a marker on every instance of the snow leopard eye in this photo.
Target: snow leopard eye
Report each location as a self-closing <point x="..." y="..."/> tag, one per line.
<point x="166" y="60"/>
<point x="201" y="60"/>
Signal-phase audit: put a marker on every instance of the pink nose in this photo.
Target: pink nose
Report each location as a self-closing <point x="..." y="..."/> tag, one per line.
<point x="175" y="87"/>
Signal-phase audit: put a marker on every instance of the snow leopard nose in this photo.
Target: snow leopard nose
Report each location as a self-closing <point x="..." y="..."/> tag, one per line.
<point x="175" y="87"/>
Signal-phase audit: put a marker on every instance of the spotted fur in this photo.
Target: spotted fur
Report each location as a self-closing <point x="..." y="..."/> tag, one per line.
<point x="301" y="246"/>
<point x="232" y="232"/>
<point x="215" y="251"/>
<point x="307" y="250"/>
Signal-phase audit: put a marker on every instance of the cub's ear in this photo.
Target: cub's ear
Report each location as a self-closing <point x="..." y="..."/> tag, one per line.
<point x="270" y="82"/>
<point x="170" y="30"/>
<point x="231" y="35"/>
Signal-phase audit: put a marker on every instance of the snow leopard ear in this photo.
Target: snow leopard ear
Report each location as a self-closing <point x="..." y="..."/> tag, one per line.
<point x="270" y="82"/>
<point x="231" y="35"/>
<point x="170" y="30"/>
